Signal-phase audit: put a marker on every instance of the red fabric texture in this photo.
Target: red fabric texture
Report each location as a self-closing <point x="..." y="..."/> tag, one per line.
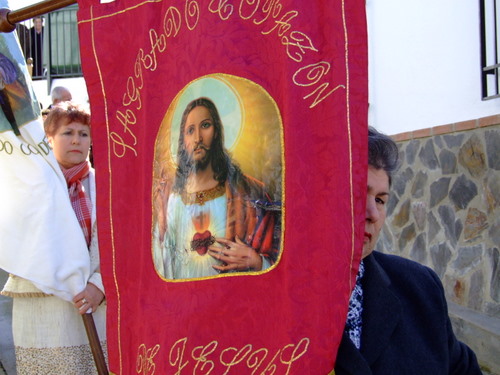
<point x="79" y="200"/>
<point x="310" y="58"/>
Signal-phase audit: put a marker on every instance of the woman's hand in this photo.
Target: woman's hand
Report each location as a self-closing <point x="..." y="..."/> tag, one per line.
<point x="88" y="299"/>
<point x="237" y="256"/>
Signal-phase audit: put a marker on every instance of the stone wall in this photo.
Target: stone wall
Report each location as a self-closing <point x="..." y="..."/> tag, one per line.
<point x="444" y="212"/>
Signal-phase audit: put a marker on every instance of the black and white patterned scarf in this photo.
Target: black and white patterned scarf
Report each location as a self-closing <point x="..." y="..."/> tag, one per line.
<point x="354" y="322"/>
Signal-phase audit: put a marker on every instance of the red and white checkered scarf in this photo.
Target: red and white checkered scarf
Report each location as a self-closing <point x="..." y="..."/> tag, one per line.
<point x="79" y="200"/>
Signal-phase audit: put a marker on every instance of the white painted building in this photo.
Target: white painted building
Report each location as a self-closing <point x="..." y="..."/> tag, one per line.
<point x="424" y="64"/>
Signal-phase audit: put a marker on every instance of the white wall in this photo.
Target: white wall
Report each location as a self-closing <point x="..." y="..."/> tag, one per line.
<point x="76" y="86"/>
<point x="424" y="64"/>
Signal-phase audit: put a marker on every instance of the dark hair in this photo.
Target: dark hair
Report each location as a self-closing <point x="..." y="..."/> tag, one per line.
<point x="220" y="158"/>
<point x="64" y="113"/>
<point x="383" y="152"/>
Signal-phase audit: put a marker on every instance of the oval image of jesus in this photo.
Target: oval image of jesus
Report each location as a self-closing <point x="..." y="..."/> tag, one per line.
<point x="217" y="182"/>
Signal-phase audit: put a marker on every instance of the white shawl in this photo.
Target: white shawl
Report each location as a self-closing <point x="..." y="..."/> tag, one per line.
<point x="40" y="238"/>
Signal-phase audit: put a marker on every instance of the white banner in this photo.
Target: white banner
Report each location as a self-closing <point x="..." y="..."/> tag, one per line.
<point x="40" y="238"/>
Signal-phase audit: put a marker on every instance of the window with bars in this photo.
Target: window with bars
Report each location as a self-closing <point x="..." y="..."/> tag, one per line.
<point x="64" y="47"/>
<point x="52" y="50"/>
<point x="490" y="66"/>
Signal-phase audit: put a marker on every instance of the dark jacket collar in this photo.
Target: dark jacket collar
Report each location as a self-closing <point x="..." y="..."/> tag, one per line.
<point x="381" y="310"/>
<point x="381" y="315"/>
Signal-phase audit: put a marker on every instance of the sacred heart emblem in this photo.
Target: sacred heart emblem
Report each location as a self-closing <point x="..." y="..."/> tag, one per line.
<point x="201" y="242"/>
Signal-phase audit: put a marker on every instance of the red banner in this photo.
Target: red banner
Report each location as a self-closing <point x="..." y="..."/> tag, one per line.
<point x="229" y="141"/>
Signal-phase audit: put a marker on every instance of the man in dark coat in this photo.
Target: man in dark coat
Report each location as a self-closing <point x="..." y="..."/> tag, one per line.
<point x="36" y="36"/>
<point x="23" y="34"/>
<point x="398" y="320"/>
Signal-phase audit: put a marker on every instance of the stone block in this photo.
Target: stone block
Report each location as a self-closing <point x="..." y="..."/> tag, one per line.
<point x="494" y="232"/>
<point x="411" y="151"/>
<point x="475" y="223"/>
<point x="448" y="161"/>
<point x="400" y="181"/>
<point x="456" y="288"/>
<point x="419" y="184"/>
<point x="437" y="139"/>
<point x="440" y="255"/>
<point x="391" y="204"/>
<point x="472" y="156"/>
<point x="458" y="227"/>
<point x="493" y="149"/>
<point x="419" y="210"/>
<point x="467" y="259"/>
<point x="475" y="300"/>
<point x="401" y="218"/>
<point x="439" y="190"/>
<point x="434" y="226"/>
<point x="462" y="192"/>
<point x="428" y="156"/>
<point x="406" y="236"/>
<point x="492" y="190"/>
<point x="494" y="258"/>
<point x="447" y="216"/>
<point x="419" y="249"/>
<point x="386" y="240"/>
<point x="454" y="140"/>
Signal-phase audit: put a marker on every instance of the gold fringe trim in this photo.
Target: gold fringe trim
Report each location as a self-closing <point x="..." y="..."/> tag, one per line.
<point x="24" y="294"/>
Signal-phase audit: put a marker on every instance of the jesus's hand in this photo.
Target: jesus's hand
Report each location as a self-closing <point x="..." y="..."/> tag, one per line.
<point x="237" y="256"/>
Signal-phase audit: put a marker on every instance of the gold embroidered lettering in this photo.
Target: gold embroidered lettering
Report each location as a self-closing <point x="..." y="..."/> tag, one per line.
<point x="283" y="24"/>
<point x="254" y="360"/>
<point x="207" y="365"/>
<point x="145" y="364"/>
<point x="172" y="22"/>
<point x="237" y="358"/>
<point x="176" y="355"/>
<point x="271" y="8"/>
<point x="298" y="351"/>
<point x="119" y="145"/>
<point x="251" y="3"/>
<point x="311" y="75"/>
<point x="192" y="13"/>
<point x="223" y="8"/>
<point x="299" y="42"/>
<point x="158" y="43"/>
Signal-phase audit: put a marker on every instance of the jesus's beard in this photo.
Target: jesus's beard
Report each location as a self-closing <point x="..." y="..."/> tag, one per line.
<point x="203" y="163"/>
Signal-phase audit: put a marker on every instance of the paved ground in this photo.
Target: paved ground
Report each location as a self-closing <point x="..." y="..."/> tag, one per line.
<point x="7" y="357"/>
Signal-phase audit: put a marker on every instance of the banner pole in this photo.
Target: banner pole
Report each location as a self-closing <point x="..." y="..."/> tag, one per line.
<point x="95" y="345"/>
<point x="8" y="18"/>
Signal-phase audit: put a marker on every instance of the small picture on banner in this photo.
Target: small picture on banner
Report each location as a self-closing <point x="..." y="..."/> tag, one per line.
<point x="16" y="100"/>
<point x="218" y="181"/>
